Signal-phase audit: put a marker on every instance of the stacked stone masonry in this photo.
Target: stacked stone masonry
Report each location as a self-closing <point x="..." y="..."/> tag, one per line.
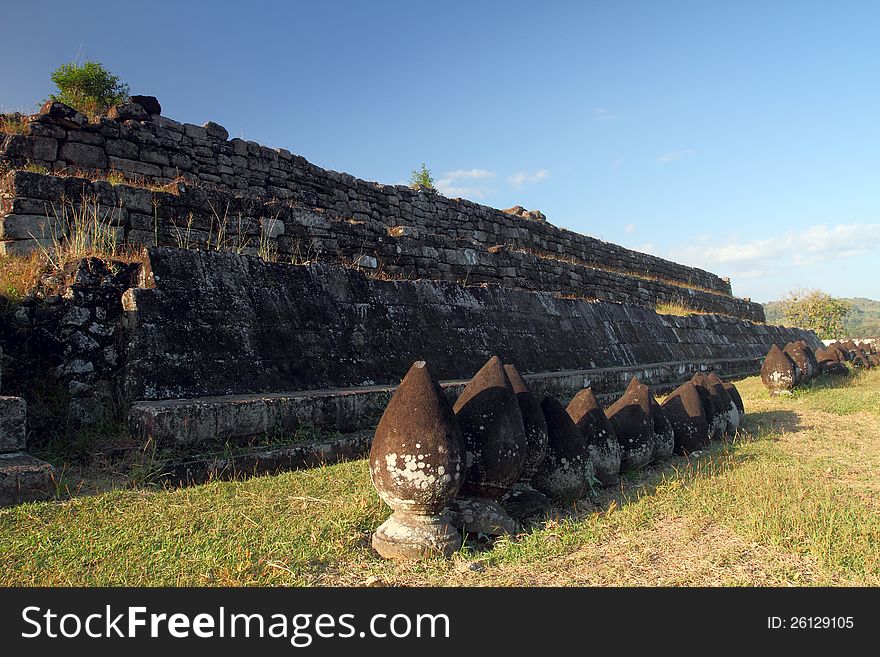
<point x="305" y="211"/>
<point x="206" y="323"/>
<point x="34" y="207"/>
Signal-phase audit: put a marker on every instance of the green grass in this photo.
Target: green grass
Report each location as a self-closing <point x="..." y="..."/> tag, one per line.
<point x="791" y="501"/>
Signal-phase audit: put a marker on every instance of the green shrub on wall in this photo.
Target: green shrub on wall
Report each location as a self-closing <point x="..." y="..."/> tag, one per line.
<point x="89" y="87"/>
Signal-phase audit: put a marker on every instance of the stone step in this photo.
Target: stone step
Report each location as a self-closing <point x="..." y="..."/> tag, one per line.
<point x="267" y="461"/>
<point x="181" y="422"/>
<point x="24" y="478"/>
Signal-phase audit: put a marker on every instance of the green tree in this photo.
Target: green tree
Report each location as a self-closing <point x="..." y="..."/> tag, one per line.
<point x="421" y="177"/>
<point x="816" y="310"/>
<point x="89" y="87"/>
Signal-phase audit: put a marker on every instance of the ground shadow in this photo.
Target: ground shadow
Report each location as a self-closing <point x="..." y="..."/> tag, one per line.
<point x="721" y="457"/>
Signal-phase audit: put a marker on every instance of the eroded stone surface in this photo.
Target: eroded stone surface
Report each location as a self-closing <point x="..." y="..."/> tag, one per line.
<point x="404" y="536"/>
<point x="481" y="515"/>
<point x="494" y="441"/>
<point x="717" y="408"/>
<point x="735" y="396"/>
<point x="779" y="372"/>
<point x="725" y="401"/>
<point x="630" y="417"/>
<point x="13" y="421"/>
<point x="664" y="436"/>
<point x="802" y="357"/>
<point x="685" y="412"/>
<point x="416" y="466"/>
<point x="605" y="450"/>
<point x="534" y="424"/>
<point x="492" y="428"/>
<point x="24" y="478"/>
<point x="522" y="500"/>
<point x="567" y="472"/>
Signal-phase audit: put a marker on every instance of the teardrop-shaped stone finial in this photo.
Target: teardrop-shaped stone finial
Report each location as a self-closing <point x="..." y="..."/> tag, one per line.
<point x="522" y="501"/>
<point x="778" y="372"/>
<point x="684" y="410"/>
<point x="494" y="441"/>
<point x="417" y="467"/>
<point x="630" y="416"/>
<point x="737" y="398"/>
<point x="567" y="472"/>
<point x="605" y="451"/>
<point x="716" y="415"/>
<point x="798" y="354"/>
<point x="811" y="357"/>
<point x="725" y="401"/>
<point x="664" y="436"/>
<point x="860" y="358"/>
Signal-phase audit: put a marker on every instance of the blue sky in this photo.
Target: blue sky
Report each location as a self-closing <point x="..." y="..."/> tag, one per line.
<point x="741" y="137"/>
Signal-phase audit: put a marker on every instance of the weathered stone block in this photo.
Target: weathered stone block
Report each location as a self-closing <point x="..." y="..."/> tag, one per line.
<point x="128" y="112"/>
<point x="63" y="115"/>
<point x="27" y="227"/>
<point x="134" y="166"/>
<point x="149" y="103"/>
<point x="216" y="131"/>
<point x="83" y="155"/>
<point x="44" y="148"/>
<point x="85" y="137"/>
<point x="24" y="247"/>
<point x="121" y="148"/>
<point x="194" y="131"/>
<point x="24" y="478"/>
<point x="13" y="424"/>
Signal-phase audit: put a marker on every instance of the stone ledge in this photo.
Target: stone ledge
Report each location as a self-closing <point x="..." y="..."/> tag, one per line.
<point x="24" y="478"/>
<point x="218" y="419"/>
<point x="270" y="461"/>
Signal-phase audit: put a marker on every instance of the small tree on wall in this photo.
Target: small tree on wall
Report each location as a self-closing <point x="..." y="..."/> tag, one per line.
<point x="816" y="310"/>
<point x="421" y="177"/>
<point x="89" y="87"/>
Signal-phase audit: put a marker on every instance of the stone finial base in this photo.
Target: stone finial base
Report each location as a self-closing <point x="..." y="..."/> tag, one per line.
<point x="480" y="515"/>
<point x="404" y="536"/>
<point x="523" y="502"/>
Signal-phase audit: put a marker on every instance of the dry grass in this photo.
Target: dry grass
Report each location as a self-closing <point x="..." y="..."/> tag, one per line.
<point x="14" y="124"/>
<point x="75" y="231"/>
<point x="116" y="177"/>
<point x="676" y="308"/>
<point x="544" y="255"/>
<point x="18" y="275"/>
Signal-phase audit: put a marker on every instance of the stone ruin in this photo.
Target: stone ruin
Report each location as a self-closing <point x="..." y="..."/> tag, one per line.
<point x="442" y="471"/>
<point x="264" y="294"/>
<point x="785" y="369"/>
<point x="23" y="478"/>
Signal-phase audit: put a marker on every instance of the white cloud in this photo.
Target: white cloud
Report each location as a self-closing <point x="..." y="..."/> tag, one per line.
<point x="603" y="114"/>
<point x="519" y="179"/>
<point x="449" y="184"/>
<point x="820" y="255"/>
<point x="630" y="228"/>
<point x="672" y="156"/>
<point x="473" y="174"/>
<point x="464" y="192"/>
<point x="792" y="248"/>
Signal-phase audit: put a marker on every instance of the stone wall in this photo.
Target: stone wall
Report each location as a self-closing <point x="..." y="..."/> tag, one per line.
<point x="158" y="150"/>
<point x="205" y="323"/>
<point x="36" y="207"/>
<point x="68" y="348"/>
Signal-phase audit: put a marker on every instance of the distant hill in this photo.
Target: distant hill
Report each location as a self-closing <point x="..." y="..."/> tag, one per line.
<point x="862" y="321"/>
